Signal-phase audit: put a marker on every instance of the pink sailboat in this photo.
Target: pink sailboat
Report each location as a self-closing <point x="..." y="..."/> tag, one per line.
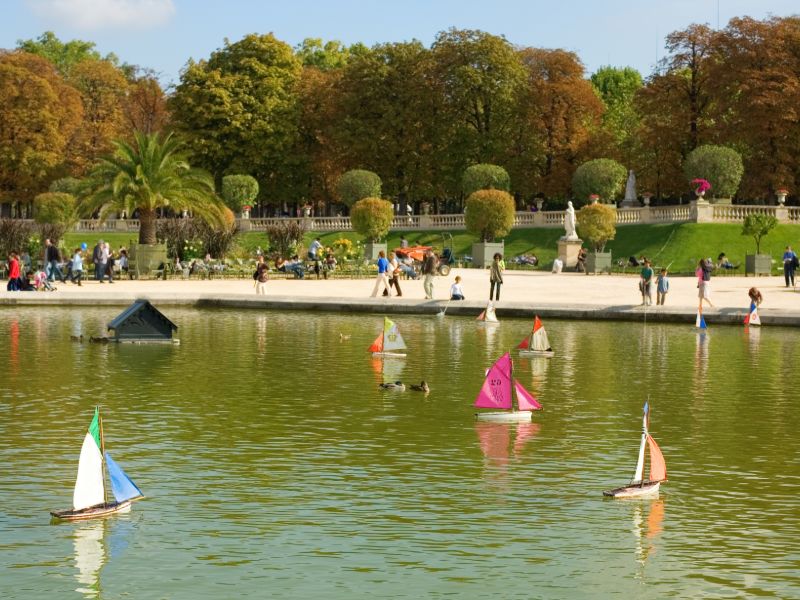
<point x="500" y="390"/>
<point x="658" y="468"/>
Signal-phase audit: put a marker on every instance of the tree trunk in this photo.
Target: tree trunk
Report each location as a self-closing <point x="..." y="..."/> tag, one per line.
<point x="147" y="226"/>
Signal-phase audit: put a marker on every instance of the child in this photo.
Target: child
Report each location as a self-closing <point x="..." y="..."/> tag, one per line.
<point x="662" y="287"/>
<point x="646" y="283"/>
<point x="755" y="296"/>
<point x="456" y="293"/>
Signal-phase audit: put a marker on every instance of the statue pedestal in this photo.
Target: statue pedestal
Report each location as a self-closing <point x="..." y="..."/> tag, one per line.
<point x="568" y="252"/>
<point x="629" y="203"/>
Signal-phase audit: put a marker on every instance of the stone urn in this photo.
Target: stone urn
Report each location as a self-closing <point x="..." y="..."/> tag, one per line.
<point x="781" y="194"/>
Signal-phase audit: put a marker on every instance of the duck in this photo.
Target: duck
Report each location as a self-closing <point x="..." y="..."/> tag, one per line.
<point x="422" y="387"/>
<point x="344" y="336"/>
<point x="98" y="340"/>
<point x="76" y="338"/>
<point x="397" y="386"/>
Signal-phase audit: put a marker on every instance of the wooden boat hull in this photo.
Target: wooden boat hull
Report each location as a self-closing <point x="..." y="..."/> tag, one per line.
<point x="647" y="488"/>
<point x="101" y="510"/>
<point x="396" y="354"/>
<point x="535" y="353"/>
<point x="506" y="416"/>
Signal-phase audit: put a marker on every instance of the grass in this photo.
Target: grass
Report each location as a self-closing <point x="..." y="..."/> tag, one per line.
<point x="680" y="245"/>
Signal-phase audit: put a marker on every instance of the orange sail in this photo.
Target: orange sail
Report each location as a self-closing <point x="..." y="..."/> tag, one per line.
<point x="658" y="468"/>
<point x="377" y="345"/>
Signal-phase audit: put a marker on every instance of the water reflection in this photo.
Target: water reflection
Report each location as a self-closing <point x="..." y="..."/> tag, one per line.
<point x="387" y="368"/>
<point x="90" y="556"/>
<point x="488" y="336"/>
<point x="647" y="530"/>
<point x="495" y="441"/>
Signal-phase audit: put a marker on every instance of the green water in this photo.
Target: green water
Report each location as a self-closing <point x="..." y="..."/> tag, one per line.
<point x="274" y="467"/>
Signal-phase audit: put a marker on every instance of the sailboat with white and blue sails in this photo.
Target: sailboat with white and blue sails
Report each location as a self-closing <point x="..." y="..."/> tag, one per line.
<point x="89" y="498"/>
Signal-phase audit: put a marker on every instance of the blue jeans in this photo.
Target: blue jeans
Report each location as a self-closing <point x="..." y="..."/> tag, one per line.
<point x="54" y="271"/>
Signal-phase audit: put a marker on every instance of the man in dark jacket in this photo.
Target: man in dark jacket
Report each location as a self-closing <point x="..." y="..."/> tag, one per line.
<point x="52" y="258"/>
<point x="428" y="270"/>
<point x="97" y="255"/>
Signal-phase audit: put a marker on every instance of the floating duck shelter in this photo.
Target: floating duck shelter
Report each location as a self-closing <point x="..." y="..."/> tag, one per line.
<point x="142" y="322"/>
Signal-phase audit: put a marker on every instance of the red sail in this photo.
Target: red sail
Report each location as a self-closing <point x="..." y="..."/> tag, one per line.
<point x="658" y="468"/>
<point x="377" y="345"/>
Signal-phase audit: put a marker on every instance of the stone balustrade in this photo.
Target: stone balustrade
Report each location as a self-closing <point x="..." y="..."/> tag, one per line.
<point x="694" y="212"/>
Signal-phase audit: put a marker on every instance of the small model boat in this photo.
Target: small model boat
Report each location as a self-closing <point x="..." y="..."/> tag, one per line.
<point x="536" y="344"/>
<point x="500" y="389"/>
<point x="752" y="317"/>
<point x="700" y="321"/>
<point x="388" y="341"/>
<point x="638" y="486"/>
<point x="89" y="497"/>
<point x="488" y="315"/>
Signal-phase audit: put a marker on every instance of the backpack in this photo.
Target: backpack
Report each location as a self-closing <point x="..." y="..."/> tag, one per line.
<point x="795" y="262"/>
<point x="255" y="274"/>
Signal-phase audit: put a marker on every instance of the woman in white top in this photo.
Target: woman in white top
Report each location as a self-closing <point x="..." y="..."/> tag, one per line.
<point x="456" y="293"/>
<point x="394" y="274"/>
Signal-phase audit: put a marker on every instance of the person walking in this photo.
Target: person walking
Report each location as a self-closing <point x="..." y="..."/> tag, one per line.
<point x="52" y="259"/>
<point x="703" y="273"/>
<point x="261" y="276"/>
<point x="97" y="256"/>
<point x="13" y="284"/>
<point x="662" y="287"/>
<point x="789" y="266"/>
<point x="107" y="260"/>
<point x="646" y="283"/>
<point x="496" y="276"/>
<point x="394" y="274"/>
<point x="77" y="267"/>
<point x="428" y="272"/>
<point x="382" y="278"/>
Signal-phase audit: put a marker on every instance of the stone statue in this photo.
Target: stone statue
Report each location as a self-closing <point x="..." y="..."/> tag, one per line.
<point x="569" y="223"/>
<point x="630" y="190"/>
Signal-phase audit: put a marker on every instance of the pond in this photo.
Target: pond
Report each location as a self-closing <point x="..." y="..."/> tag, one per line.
<point x="275" y="467"/>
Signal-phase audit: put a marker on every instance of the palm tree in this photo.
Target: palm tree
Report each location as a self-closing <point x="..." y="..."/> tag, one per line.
<point x="150" y="174"/>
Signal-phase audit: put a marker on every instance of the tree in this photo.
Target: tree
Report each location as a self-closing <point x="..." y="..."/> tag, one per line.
<point x="596" y="223"/>
<point x="721" y="166"/>
<point x="145" y="106"/>
<point x="485" y="177"/>
<point x="489" y="214"/>
<point x="758" y="226"/>
<point x="55" y="213"/>
<point x="63" y="55"/>
<point x="601" y="176"/>
<point x="372" y="218"/>
<point x="617" y="88"/>
<point x="326" y="57"/>
<point x="358" y="184"/>
<point x="148" y="175"/>
<point x="67" y="185"/>
<point x="239" y="191"/>
<point x="238" y="111"/>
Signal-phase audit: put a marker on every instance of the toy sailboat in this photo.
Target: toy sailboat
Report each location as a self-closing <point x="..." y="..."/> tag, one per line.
<point x="499" y="390"/>
<point x="536" y="344"/>
<point x="658" y="468"/>
<point x="388" y="341"/>
<point x="752" y="317"/>
<point x="89" y="497"/>
<point x="700" y="321"/>
<point x="488" y="315"/>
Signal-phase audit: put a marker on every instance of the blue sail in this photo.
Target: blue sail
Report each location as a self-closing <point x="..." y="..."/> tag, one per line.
<point x="121" y="484"/>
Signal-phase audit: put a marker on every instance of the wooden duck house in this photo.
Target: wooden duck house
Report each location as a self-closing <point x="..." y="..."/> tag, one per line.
<point x="142" y="322"/>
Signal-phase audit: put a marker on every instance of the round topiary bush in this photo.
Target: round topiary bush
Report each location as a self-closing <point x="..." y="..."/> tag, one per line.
<point x="597" y="224"/>
<point x="601" y="176"/>
<point x="54" y="208"/>
<point x="485" y="177"/>
<point x="372" y="218"/>
<point x="67" y="185"/>
<point x="358" y="184"/>
<point x="721" y="166"/>
<point x="239" y="191"/>
<point x="489" y="214"/>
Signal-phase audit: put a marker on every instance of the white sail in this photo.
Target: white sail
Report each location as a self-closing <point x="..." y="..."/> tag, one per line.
<point x="539" y="341"/>
<point x="392" y="340"/>
<point x="637" y="476"/>
<point x="490" y="315"/>
<point x="89" y="489"/>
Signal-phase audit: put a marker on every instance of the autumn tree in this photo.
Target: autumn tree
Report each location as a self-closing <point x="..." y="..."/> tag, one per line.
<point x="145" y="106"/>
<point x="617" y="88"/>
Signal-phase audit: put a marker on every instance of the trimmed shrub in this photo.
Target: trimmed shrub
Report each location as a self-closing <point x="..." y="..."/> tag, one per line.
<point x="601" y="176"/>
<point x="217" y="241"/>
<point x="358" y="184"/>
<point x="485" y="177"/>
<point x="66" y="185"/>
<point x="758" y="226"/>
<point x="15" y="235"/>
<point x="175" y="233"/>
<point x="285" y="236"/>
<point x="372" y="218"/>
<point x="239" y="191"/>
<point x="722" y="167"/>
<point x="489" y="214"/>
<point x="55" y="208"/>
<point x="597" y="224"/>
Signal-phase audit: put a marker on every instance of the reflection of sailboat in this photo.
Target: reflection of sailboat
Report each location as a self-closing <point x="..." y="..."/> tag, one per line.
<point x="487" y="315"/>
<point x="495" y="439"/>
<point x="90" y="556"/>
<point x="499" y="390"/>
<point x="646" y="531"/>
<point x="388" y="340"/>
<point x="89" y="497"/>
<point x="536" y="344"/>
<point x="388" y="370"/>
<point x="658" y="468"/>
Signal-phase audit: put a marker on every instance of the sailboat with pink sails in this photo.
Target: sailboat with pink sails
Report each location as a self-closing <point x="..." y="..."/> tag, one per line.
<point x="639" y="486"/>
<point x="501" y="391"/>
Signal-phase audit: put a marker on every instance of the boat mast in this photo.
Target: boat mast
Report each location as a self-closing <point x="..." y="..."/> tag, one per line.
<point x="103" y="457"/>
<point x="638" y="476"/>
<point x="513" y="390"/>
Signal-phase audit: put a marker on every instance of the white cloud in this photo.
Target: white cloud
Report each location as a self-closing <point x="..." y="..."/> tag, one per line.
<point x="103" y="14"/>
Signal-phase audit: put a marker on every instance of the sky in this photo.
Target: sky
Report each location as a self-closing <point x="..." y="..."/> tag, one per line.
<point x="164" y="34"/>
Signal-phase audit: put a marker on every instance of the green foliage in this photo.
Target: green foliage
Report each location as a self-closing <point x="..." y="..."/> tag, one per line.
<point x="485" y="177"/>
<point x="239" y="191"/>
<point x="596" y="223"/>
<point x="174" y="233"/>
<point x="151" y="174"/>
<point x="15" y="235"/>
<point x="758" y="226"/>
<point x="358" y="184"/>
<point x="721" y="166"/>
<point x="285" y="236"/>
<point x="601" y="176"/>
<point x="66" y="185"/>
<point x="489" y="214"/>
<point x="326" y="57"/>
<point x="64" y="55"/>
<point x="372" y="218"/>
<point x="56" y="208"/>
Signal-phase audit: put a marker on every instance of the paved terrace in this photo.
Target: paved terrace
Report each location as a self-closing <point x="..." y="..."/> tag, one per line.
<point x="567" y="295"/>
